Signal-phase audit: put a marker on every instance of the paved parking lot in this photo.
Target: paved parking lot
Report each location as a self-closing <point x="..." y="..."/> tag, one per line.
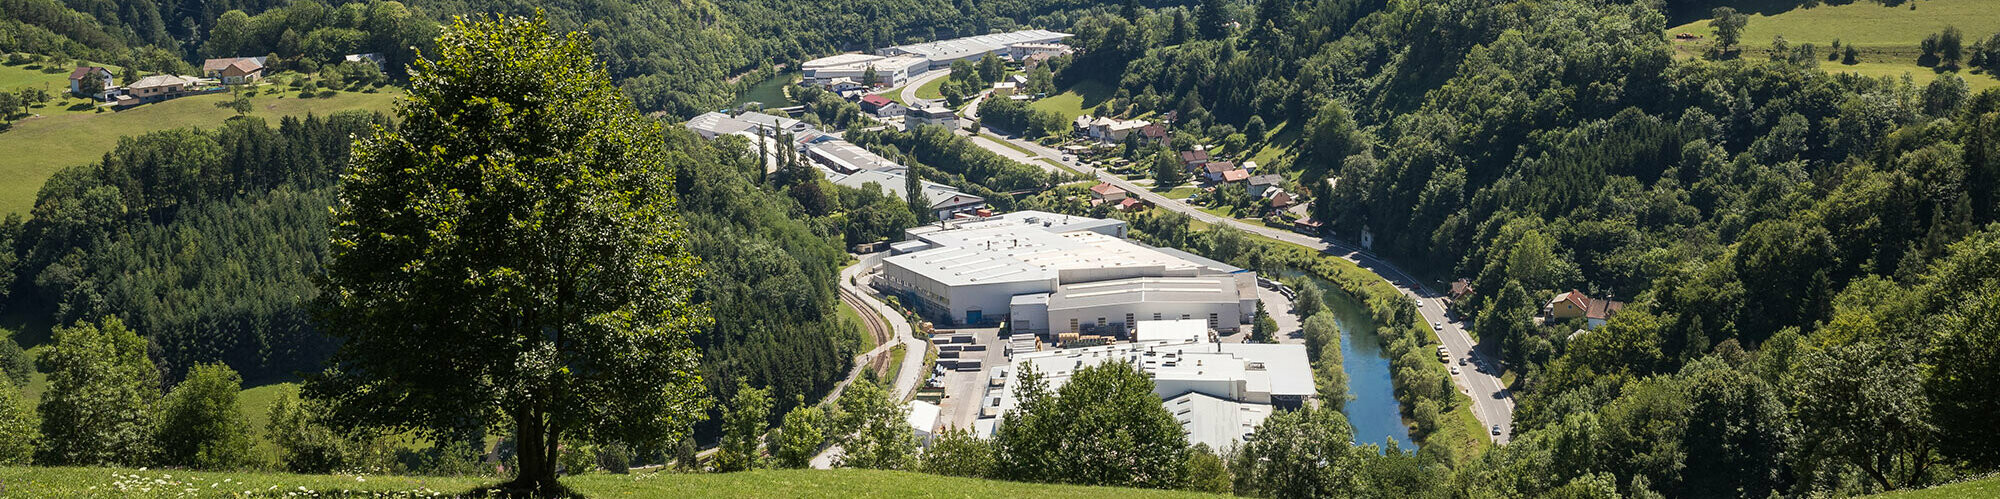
<point x="964" y="391"/>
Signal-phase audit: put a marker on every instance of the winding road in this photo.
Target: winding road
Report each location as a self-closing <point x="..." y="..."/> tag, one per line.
<point x="1492" y="404"/>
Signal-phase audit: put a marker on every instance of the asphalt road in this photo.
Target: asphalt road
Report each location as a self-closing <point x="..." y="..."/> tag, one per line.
<point x="1491" y="403"/>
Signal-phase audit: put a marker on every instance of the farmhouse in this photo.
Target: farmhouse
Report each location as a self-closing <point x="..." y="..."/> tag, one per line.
<point x="234" y="70"/>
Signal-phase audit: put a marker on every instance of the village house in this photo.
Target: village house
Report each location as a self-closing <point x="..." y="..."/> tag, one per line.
<point x="1103" y="193"/>
<point x="81" y="75"/>
<point x="1572" y="304"/>
<point x="157" y="88"/>
<point x="1195" y="157"/>
<point x="1154" y="133"/>
<point x="930" y="115"/>
<point x="1261" y="185"/>
<point x="234" y="70"/>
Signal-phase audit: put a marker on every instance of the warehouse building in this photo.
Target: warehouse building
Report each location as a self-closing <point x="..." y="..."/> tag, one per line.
<point x="845" y="157"/>
<point x="942" y="53"/>
<point x="945" y="201"/>
<point x="1046" y="273"/>
<point x="892" y="70"/>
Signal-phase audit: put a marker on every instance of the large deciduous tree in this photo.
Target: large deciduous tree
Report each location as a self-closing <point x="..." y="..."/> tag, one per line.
<point x="99" y="405"/>
<point x="199" y="423"/>
<point x="1104" y="427"/>
<point x="511" y="256"/>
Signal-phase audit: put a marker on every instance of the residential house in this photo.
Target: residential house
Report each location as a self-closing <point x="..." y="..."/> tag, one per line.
<point x="1460" y="289"/>
<point x="1114" y="130"/>
<point x="1130" y="204"/>
<point x="157" y="88"/>
<point x="78" y="76"/>
<point x="1261" y="185"/>
<point x="930" y="115"/>
<point x="1104" y="192"/>
<point x="234" y="70"/>
<point x="1004" y="88"/>
<point x="1154" y="133"/>
<point x="1573" y="304"/>
<point x="1020" y="80"/>
<point x="1214" y="170"/>
<point x="1236" y="175"/>
<point x="1279" y="199"/>
<point x="1194" y="158"/>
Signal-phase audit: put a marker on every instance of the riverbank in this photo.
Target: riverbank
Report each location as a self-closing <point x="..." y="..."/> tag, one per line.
<point x="1439" y="417"/>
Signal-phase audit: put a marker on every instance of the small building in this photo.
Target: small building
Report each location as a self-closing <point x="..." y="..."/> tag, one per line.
<point x="881" y="106"/>
<point x="158" y="88"/>
<point x="1260" y="185"/>
<point x="1194" y="158"/>
<point x="1279" y="199"/>
<point x="1114" y="130"/>
<point x="1130" y="204"/>
<point x="102" y="76"/>
<point x="1004" y="88"/>
<point x="1024" y="51"/>
<point x="372" y="58"/>
<point x="1573" y="304"/>
<point x="845" y="157"/>
<point x="1153" y="133"/>
<point x="945" y="201"/>
<point x="923" y="421"/>
<point x="1460" y="289"/>
<point x="1104" y="192"/>
<point x="1213" y="170"/>
<point x="234" y="70"/>
<point x="930" y="115"/>
<point x="1236" y="175"/>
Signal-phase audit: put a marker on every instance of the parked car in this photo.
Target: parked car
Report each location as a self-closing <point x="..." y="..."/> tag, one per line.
<point x="1461" y="361"/>
<point x="1454" y="370"/>
<point x="1437" y="326"/>
<point x="1496" y="429"/>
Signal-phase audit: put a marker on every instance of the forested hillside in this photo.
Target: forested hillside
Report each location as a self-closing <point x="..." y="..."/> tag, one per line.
<point x="1808" y="256"/>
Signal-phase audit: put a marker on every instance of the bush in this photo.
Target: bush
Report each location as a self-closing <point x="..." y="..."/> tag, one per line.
<point x="199" y="424"/>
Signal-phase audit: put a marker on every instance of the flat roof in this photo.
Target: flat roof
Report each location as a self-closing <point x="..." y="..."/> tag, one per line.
<point x="847" y="157"/>
<point x="923" y="416"/>
<point x="1198" y="289"/>
<point x="892" y="183"/>
<point x="715" y="123"/>
<point x="837" y="60"/>
<point x="1200" y="260"/>
<point x="1008" y="254"/>
<point x="943" y="50"/>
<point x="1176" y="330"/>
<point x="1277" y="369"/>
<point x="1217" y="422"/>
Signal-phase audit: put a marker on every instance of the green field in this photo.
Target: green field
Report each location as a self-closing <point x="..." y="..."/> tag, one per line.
<point x="38" y="147"/>
<point x="1887" y="36"/>
<point x="1075" y="101"/>
<point x="119" y="482"/>
<point x="933" y="89"/>
<point x="1981" y="488"/>
<point x="1865" y="23"/>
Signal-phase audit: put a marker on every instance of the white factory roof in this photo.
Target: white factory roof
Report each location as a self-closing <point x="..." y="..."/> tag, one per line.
<point x="1048" y="222"/>
<point x="844" y="156"/>
<point x="766" y="120"/>
<point x="1217" y="422"/>
<point x="838" y="60"/>
<point x="713" y="123"/>
<point x="1198" y="289"/>
<point x="956" y="48"/>
<point x="1278" y="358"/>
<point x="1176" y="331"/>
<point x="1273" y="369"/>
<point x="892" y="183"/>
<point x="1008" y="254"/>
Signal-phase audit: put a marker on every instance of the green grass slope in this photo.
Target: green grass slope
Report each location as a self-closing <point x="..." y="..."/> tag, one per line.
<point x="1971" y="489"/>
<point x="1886" y="36"/>
<point x="120" y="482"/>
<point x="38" y="147"/>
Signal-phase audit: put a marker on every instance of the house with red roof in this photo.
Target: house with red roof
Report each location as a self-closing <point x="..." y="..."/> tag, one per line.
<point x="1572" y="304"/>
<point x="81" y="75"/>
<point x="1104" y="192"/>
<point x="881" y="106"/>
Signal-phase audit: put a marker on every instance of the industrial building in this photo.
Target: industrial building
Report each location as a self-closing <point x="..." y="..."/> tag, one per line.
<point x="715" y="124"/>
<point x="942" y="53"/>
<point x="892" y="71"/>
<point x="945" y="201"/>
<point x="845" y="157"/>
<point x="1219" y="392"/>
<point x="1046" y="273"/>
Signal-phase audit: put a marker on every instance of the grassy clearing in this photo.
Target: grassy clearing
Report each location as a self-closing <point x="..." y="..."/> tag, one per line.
<point x="1075" y="101"/>
<point x="848" y="313"/>
<point x="1864" y="23"/>
<point x="1181" y="192"/>
<point x="1984" y="487"/>
<point x="933" y="89"/>
<point x="1277" y="146"/>
<point x="895" y="363"/>
<point x="1887" y="37"/>
<point x="106" y="482"/>
<point x="255" y="402"/>
<point x="38" y="147"/>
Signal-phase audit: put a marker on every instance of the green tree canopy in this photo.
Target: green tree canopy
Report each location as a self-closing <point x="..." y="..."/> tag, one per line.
<point x="511" y="255"/>
<point x="801" y="436"/>
<point x="873" y="429"/>
<point x="199" y="424"/>
<point x="743" y="429"/>
<point x="98" y="409"/>
<point x="1104" y="427"/>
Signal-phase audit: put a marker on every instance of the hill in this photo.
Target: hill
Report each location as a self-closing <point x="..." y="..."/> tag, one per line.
<point x="1887" y="37"/>
<point x="122" y="482"/>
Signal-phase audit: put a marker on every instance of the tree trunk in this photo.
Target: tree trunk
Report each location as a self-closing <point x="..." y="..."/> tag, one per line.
<point x="536" y="471"/>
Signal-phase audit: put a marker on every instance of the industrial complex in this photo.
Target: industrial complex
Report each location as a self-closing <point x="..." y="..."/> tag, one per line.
<point x="893" y="66"/>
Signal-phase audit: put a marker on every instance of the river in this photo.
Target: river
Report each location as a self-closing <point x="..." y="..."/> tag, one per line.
<point x="770" y="92"/>
<point x="1372" y="408"/>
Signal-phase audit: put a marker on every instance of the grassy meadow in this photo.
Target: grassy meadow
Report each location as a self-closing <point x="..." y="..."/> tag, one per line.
<point x="37" y="147"/>
<point x="1886" y="37"/>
